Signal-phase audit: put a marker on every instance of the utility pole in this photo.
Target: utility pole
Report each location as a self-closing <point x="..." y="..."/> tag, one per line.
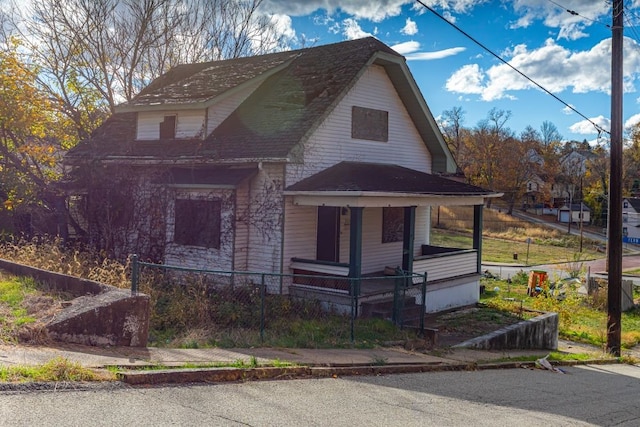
<point x="614" y="256"/>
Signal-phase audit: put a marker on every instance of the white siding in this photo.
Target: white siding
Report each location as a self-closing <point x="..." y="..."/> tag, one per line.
<point x="448" y="266"/>
<point x="241" y="244"/>
<point x="265" y="220"/>
<point x="220" y="111"/>
<point x="189" y="124"/>
<point x="332" y="143"/>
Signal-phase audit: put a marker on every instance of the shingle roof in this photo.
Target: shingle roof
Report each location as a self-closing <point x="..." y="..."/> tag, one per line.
<point x="268" y="124"/>
<point x="635" y="203"/>
<point x="387" y="178"/>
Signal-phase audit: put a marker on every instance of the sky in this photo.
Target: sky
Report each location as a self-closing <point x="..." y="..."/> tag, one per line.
<point x="562" y="45"/>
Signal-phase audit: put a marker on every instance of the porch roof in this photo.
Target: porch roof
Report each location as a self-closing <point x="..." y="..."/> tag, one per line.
<point x="376" y="184"/>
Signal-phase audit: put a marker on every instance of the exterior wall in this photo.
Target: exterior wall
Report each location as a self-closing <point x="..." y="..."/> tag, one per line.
<point x="264" y="219"/>
<point x="189" y="124"/>
<point x="332" y="143"/>
<point x="218" y="112"/>
<point x="631" y="220"/>
<point x="201" y="257"/>
<point x="300" y="237"/>
<point x="440" y="298"/>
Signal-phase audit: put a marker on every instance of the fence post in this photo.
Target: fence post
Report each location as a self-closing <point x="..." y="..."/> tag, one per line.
<point x="134" y="274"/>
<point x="354" y="308"/>
<point x="423" y="291"/>
<point x="262" y="298"/>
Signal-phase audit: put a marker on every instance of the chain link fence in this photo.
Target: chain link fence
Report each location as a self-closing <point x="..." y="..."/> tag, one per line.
<point x="191" y="307"/>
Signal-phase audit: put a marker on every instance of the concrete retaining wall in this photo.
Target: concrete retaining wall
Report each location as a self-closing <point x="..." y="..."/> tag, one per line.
<point x="541" y="332"/>
<point x="99" y="315"/>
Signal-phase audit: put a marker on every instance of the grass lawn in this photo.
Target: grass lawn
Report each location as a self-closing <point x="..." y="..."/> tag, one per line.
<point x="502" y="250"/>
<point x="582" y="319"/>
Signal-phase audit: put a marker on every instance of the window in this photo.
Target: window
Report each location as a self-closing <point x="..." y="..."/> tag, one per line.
<point x="168" y="127"/>
<point x="392" y="225"/>
<point x="367" y="123"/>
<point x="625" y="232"/>
<point x="625" y="204"/>
<point x="530" y="186"/>
<point x="625" y="217"/>
<point x="198" y="223"/>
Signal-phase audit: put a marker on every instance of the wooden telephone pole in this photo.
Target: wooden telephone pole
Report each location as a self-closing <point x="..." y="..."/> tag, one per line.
<point x="614" y="255"/>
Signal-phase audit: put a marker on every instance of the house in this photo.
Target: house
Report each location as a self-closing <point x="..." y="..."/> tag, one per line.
<point x="631" y="220"/>
<point x="322" y="161"/>
<point x="576" y="211"/>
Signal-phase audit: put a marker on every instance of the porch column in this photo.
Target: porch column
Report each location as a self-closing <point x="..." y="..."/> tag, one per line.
<point x="477" y="233"/>
<point x="355" y="243"/>
<point x="408" y="238"/>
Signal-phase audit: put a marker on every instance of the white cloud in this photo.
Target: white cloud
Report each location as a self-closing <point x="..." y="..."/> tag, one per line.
<point x="410" y="28"/>
<point x="585" y="127"/>
<point x="351" y="29"/>
<point x="410" y="50"/>
<point x="406" y="47"/>
<point x="427" y="56"/>
<point x="632" y="121"/>
<point x="567" y="110"/>
<point x="467" y="80"/>
<point x="376" y="11"/>
<point x="569" y="26"/>
<point x="555" y="68"/>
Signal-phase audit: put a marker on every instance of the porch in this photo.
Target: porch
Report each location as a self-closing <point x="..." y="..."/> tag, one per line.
<point x="353" y="220"/>
<point x="450" y="277"/>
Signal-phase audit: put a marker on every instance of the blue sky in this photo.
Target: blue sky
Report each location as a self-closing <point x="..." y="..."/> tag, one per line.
<point x="567" y="53"/>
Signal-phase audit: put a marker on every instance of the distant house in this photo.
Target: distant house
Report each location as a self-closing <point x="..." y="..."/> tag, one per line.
<point x="576" y="213"/>
<point x="631" y="220"/>
<point x="322" y="161"/>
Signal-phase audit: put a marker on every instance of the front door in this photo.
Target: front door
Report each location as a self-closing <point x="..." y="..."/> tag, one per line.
<point x="328" y="234"/>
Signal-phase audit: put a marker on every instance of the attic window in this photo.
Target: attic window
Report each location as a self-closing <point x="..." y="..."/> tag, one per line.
<point x="168" y="127"/>
<point x="370" y="124"/>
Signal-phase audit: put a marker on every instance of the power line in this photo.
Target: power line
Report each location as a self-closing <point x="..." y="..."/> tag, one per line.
<point x="596" y="126"/>
<point x="574" y="13"/>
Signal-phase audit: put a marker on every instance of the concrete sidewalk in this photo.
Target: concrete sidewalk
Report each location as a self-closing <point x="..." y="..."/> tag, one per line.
<point x="198" y="365"/>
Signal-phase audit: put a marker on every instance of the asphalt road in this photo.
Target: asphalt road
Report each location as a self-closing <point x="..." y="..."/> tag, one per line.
<point x="591" y="395"/>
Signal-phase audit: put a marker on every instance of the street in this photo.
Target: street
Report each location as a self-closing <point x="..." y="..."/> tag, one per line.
<point x="589" y="395"/>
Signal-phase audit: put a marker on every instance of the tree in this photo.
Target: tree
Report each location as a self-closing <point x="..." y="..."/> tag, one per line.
<point x="549" y="134"/>
<point x="33" y="135"/>
<point x="452" y="130"/>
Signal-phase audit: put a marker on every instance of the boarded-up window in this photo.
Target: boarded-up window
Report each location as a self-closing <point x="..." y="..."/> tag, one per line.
<point x="198" y="223"/>
<point x="392" y="225"/>
<point x="168" y="127"/>
<point x="367" y="123"/>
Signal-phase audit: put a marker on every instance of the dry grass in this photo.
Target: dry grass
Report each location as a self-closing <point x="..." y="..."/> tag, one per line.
<point x="496" y="224"/>
<point x="52" y="255"/>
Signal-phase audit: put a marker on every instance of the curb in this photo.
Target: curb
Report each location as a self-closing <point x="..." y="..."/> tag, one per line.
<point x="219" y="375"/>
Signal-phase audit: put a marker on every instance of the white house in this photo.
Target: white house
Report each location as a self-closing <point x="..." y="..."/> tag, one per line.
<point x="631" y="220"/>
<point x="322" y="161"/>
<point x="578" y="212"/>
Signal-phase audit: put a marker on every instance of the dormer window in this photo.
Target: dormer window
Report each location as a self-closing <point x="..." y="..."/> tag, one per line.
<point x="168" y="127"/>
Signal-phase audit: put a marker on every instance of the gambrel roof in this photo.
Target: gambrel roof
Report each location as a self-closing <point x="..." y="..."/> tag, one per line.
<point x="295" y="91"/>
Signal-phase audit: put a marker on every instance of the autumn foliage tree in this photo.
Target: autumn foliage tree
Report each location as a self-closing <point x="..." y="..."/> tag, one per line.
<point x="33" y="136"/>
